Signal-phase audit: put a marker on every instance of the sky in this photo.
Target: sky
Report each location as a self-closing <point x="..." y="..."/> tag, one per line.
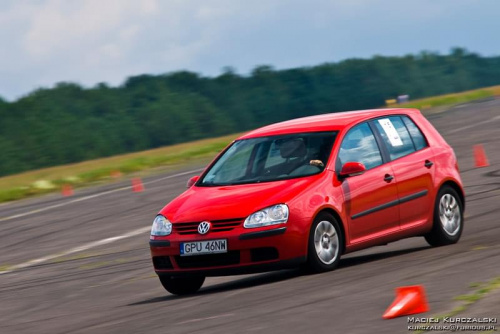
<point x="91" y="41"/>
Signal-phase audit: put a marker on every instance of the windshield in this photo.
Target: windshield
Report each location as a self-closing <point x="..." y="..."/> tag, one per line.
<point x="266" y="159"/>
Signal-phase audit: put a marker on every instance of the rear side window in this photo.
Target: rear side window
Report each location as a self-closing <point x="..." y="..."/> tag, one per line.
<point x="416" y="134"/>
<point x="359" y="145"/>
<point x="395" y="136"/>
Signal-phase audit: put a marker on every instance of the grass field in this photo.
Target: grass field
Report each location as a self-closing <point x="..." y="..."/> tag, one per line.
<point x="107" y="169"/>
<point x="451" y="99"/>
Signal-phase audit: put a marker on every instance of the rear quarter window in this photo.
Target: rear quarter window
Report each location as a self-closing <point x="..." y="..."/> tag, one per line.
<point x="415" y="133"/>
<point x="395" y="135"/>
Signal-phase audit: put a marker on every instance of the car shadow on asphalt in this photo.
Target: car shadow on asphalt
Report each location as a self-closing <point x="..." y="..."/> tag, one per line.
<point x="247" y="282"/>
<point x="278" y="276"/>
<point x="356" y="260"/>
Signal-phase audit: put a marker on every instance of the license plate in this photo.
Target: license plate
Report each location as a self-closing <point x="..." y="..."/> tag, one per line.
<point x="203" y="247"/>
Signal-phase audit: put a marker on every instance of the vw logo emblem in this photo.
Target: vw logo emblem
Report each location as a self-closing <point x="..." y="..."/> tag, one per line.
<point x="204" y="227"/>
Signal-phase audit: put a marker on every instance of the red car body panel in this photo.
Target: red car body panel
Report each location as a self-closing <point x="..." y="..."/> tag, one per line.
<point x="412" y="194"/>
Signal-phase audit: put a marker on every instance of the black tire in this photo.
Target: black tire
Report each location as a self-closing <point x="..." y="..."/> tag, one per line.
<point x="441" y="235"/>
<point x="182" y="285"/>
<point x="314" y="263"/>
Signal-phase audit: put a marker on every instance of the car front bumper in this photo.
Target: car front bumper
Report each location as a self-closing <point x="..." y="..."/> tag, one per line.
<point x="249" y="251"/>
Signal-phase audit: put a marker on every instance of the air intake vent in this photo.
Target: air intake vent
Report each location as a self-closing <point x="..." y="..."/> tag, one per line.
<point x="210" y="260"/>
<point x="162" y="262"/>
<point x="264" y="254"/>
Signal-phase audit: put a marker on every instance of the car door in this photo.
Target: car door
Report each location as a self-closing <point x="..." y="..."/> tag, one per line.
<point x="370" y="199"/>
<point x="412" y="164"/>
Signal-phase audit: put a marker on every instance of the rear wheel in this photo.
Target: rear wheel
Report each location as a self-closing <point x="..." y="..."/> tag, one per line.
<point x="448" y="218"/>
<point x="182" y="285"/>
<point x="325" y="243"/>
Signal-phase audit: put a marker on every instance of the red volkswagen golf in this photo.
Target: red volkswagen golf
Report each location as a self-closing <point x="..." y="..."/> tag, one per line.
<point x="306" y="191"/>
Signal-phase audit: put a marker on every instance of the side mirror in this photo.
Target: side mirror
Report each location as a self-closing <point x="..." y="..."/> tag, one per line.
<point x="192" y="181"/>
<point x="352" y="169"/>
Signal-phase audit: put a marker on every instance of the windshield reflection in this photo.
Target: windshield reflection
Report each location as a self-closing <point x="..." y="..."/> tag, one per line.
<point x="273" y="158"/>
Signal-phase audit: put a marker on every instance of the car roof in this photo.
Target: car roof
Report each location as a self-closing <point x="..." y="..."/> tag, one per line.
<point x="325" y="122"/>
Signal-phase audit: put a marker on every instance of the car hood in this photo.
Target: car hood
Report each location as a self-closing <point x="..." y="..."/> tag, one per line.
<point x="231" y="202"/>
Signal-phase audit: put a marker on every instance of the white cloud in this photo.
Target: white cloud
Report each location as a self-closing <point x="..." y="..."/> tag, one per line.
<point x="60" y="25"/>
<point x="90" y="41"/>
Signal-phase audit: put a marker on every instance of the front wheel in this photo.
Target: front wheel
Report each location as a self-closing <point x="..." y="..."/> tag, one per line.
<point x="448" y="218"/>
<point x="182" y="285"/>
<point x="325" y="243"/>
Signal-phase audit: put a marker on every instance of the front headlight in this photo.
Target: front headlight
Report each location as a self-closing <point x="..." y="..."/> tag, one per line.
<point x="276" y="214"/>
<point x="161" y="226"/>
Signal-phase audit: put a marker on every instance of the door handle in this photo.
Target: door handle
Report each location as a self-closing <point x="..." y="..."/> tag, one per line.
<point x="428" y="163"/>
<point x="388" y="177"/>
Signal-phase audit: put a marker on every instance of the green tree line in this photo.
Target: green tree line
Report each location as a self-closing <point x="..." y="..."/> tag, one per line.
<point x="69" y="123"/>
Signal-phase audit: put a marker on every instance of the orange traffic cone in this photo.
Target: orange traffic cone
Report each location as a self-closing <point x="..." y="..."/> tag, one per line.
<point x="409" y="300"/>
<point x="137" y="185"/>
<point x="67" y="190"/>
<point x="480" y="156"/>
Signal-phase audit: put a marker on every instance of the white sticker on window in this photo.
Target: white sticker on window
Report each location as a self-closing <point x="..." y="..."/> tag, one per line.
<point x="391" y="132"/>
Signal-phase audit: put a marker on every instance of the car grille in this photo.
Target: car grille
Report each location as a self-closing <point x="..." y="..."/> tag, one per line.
<point x="217" y="226"/>
<point x="210" y="260"/>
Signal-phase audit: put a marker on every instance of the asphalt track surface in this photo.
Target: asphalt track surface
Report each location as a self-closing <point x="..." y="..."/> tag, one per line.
<point x="83" y="262"/>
